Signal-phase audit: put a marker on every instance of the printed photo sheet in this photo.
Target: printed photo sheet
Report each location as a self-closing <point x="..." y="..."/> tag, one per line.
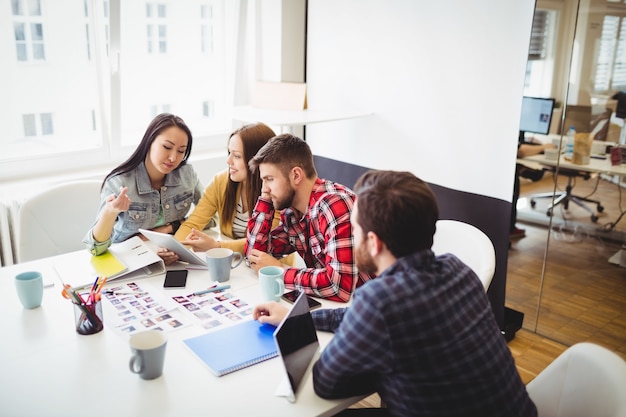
<point x="215" y="309"/>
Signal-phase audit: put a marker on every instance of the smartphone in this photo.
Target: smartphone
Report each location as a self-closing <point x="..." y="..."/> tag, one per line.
<point x="175" y="279"/>
<point x="291" y="297"/>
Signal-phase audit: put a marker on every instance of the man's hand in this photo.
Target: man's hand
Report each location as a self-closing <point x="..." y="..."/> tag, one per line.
<point x="270" y="313"/>
<point x="258" y="259"/>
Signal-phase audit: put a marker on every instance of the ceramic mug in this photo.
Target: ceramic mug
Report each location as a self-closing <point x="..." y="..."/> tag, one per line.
<point x="29" y="287"/>
<point x="220" y="261"/>
<point x="148" y="348"/>
<point x="271" y="283"/>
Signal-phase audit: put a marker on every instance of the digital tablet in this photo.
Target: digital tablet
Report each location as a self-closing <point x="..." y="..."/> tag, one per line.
<point x="297" y="344"/>
<point x="164" y="240"/>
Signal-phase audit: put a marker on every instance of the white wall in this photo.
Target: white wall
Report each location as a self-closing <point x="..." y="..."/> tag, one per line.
<point x="443" y="79"/>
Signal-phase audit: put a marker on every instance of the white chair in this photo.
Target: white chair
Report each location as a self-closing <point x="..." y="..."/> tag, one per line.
<point x="56" y="220"/>
<point x="469" y="244"/>
<point x="585" y="380"/>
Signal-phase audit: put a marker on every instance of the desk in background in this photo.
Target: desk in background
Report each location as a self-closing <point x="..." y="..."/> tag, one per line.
<point x="601" y="166"/>
<point x="595" y="166"/>
<point x="48" y="369"/>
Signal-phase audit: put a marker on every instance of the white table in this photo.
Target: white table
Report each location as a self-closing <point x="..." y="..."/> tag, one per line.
<point x="47" y="369"/>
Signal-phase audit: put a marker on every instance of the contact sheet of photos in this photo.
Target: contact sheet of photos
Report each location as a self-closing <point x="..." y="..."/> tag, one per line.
<point x="135" y="307"/>
<point x="214" y="309"/>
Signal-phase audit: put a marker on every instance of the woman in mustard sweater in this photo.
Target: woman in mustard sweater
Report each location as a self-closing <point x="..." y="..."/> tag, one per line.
<point x="231" y="194"/>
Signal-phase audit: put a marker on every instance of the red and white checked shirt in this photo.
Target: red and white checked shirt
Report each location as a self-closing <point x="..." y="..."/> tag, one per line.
<point x="322" y="237"/>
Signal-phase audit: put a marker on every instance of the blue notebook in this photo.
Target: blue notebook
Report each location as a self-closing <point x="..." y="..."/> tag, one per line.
<point x="236" y="347"/>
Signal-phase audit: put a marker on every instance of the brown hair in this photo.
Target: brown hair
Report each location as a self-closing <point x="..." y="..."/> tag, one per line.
<point x="253" y="137"/>
<point x="399" y="207"/>
<point x="285" y="151"/>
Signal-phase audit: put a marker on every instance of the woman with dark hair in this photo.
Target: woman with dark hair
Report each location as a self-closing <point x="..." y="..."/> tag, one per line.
<point x="231" y="194"/>
<point x="154" y="189"/>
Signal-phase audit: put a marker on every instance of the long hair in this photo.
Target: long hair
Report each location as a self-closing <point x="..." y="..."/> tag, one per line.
<point x="157" y="125"/>
<point x="399" y="207"/>
<point x="253" y="137"/>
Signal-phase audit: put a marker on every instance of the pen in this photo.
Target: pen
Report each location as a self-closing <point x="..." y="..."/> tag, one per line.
<point x="125" y="293"/>
<point x="218" y="288"/>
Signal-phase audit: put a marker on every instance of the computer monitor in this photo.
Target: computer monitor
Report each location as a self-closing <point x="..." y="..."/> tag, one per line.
<point x="536" y="116"/>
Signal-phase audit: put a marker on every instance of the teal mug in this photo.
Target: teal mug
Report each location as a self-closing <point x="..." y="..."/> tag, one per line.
<point x="29" y="286"/>
<point x="271" y="282"/>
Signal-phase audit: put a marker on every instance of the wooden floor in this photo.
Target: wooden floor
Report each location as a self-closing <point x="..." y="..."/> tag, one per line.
<point x="583" y="296"/>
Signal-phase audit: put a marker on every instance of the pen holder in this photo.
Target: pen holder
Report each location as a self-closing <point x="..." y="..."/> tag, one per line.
<point x="88" y="317"/>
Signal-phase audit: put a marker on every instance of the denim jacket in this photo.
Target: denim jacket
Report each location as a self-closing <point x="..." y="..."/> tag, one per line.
<point x="182" y="189"/>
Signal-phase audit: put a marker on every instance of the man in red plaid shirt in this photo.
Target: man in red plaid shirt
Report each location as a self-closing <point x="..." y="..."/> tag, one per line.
<point x="315" y="222"/>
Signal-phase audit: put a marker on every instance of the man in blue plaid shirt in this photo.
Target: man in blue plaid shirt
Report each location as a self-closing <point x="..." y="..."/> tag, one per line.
<point x="422" y="334"/>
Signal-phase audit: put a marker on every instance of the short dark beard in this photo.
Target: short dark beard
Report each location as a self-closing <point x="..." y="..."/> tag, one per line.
<point x="285" y="202"/>
<point x="363" y="260"/>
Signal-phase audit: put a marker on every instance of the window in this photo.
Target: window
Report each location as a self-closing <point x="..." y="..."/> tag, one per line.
<point x="207" y="109"/>
<point x="37" y="126"/>
<point x="28" y="30"/>
<point x="539" y="36"/>
<point x="156" y="29"/>
<point x="46" y="123"/>
<point x="610" y="71"/>
<point x="206" y="28"/>
<point x="90" y="104"/>
<point x="540" y="65"/>
<point x="181" y="79"/>
<point x="30" y="128"/>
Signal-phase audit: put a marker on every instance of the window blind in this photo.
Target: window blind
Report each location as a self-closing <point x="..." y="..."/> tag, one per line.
<point x="538" y="36"/>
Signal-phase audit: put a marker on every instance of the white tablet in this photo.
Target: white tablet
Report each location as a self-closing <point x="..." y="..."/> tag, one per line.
<point x="164" y="240"/>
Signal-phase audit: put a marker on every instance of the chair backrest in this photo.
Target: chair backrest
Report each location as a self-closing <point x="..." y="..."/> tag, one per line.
<point x="56" y="220"/>
<point x="585" y="380"/>
<point x="469" y="244"/>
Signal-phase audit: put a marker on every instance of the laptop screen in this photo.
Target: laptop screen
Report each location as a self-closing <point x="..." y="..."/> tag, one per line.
<point x="297" y="342"/>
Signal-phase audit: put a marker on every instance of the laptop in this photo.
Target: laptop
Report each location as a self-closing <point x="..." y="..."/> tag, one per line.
<point x="297" y="344"/>
<point x="164" y="240"/>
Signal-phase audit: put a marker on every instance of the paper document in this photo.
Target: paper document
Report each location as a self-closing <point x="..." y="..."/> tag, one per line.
<point x="129" y="259"/>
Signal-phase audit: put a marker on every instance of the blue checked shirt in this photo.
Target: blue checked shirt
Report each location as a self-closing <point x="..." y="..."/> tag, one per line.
<point x="424" y="337"/>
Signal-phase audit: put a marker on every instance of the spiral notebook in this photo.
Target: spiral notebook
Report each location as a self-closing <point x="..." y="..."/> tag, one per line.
<point x="236" y="347"/>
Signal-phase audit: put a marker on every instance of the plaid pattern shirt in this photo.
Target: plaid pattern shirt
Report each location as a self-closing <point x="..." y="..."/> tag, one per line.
<point x="422" y="335"/>
<point x="322" y="237"/>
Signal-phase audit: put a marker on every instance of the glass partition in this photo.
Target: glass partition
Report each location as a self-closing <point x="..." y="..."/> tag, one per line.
<point x="564" y="273"/>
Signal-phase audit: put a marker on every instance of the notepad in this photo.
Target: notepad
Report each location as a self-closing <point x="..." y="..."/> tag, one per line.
<point x="236" y="347"/>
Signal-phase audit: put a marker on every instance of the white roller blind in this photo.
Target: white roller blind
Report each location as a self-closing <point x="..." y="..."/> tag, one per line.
<point x="611" y="62"/>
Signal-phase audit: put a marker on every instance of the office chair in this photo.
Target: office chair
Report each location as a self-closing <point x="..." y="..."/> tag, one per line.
<point x="585" y="380"/>
<point x="565" y="197"/>
<point x="56" y="220"/>
<point x="469" y="244"/>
